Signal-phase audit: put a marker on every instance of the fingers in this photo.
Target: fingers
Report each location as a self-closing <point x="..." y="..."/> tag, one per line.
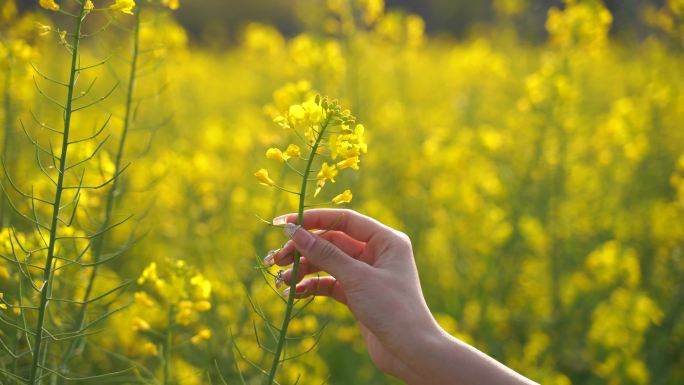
<point x="358" y="226"/>
<point x="305" y="268"/>
<point x="320" y="286"/>
<point x="350" y="246"/>
<point x="326" y="255"/>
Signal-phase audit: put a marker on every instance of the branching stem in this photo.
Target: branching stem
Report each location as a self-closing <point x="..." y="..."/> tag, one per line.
<point x="99" y="241"/>
<point x="295" y="266"/>
<point x="8" y="130"/>
<point x="38" y="353"/>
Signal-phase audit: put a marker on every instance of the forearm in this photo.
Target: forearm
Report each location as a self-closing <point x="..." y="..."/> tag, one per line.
<point x="438" y="358"/>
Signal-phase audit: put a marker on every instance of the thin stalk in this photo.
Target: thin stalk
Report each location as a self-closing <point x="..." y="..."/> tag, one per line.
<point x="99" y="241"/>
<point x="167" y="348"/>
<point x="8" y="129"/>
<point x="48" y="274"/>
<point x="295" y="265"/>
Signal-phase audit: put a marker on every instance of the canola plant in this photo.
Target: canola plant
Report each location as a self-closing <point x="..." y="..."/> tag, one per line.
<point x="542" y="187"/>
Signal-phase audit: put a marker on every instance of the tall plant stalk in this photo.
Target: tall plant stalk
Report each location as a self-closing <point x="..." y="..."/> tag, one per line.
<point x="295" y="266"/>
<point x="99" y="240"/>
<point x="7" y="105"/>
<point x="39" y="350"/>
<point x="317" y="116"/>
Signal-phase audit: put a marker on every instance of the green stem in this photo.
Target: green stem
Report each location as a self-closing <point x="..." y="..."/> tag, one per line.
<point x="295" y="265"/>
<point x="167" y="348"/>
<point x="48" y="273"/>
<point x="8" y="130"/>
<point x="99" y="241"/>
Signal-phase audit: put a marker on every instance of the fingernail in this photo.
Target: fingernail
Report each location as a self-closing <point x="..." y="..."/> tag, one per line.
<point x="279" y="221"/>
<point x="290" y="229"/>
<point x="304" y="239"/>
<point x="279" y="279"/>
<point x="269" y="259"/>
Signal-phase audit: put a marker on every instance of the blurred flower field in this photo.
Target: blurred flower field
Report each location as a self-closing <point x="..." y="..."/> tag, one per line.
<point x="542" y="187"/>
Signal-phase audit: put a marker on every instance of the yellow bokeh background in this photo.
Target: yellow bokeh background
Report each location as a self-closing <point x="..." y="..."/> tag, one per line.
<point x="542" y="187"/>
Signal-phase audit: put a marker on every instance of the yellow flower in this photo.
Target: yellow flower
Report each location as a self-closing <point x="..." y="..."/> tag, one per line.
<point x="4" y="273"/>
<point x="202" y="286"/>
<point x="43" y="29"/>
<point x="202" y="335"/>
<point x="327" y="172"/>
<point x="202" y="306"/>
<point x="2" y="302"/>
<point x="140" y="324"/>
<point x="293" y="151"/>
<point x="359" y="138"/>
<point x="263" y="178"/>
<point x="282" y="122"/>
<point x="142" y="298"/>
<point x="185" y="314"/>
<point x="171" y="4"/>
<point x="345" y="197"/>
<point x="275" y="154"/>
<point x="149" y="274"/>
<point x="49" y="4"/>
<point x="89" y="6"/>
<point x="352" y="162"/>
<point x="297" y="113"/>
<point x="319" y="186"/>
<point x="314" y="112"/>
<point x="150" y="349"/>
<point x="125" y="6"/>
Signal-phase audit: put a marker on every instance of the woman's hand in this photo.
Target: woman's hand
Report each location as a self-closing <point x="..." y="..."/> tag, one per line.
<point x="372" y="271"/>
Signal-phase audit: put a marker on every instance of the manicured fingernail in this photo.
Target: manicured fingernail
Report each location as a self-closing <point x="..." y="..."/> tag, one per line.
<point x="304" y="239"/>
<point x="279" y="221"/>
<point x="279" y="279"/>
<point x="290" y="229"/>
<point x="269" y="259"/>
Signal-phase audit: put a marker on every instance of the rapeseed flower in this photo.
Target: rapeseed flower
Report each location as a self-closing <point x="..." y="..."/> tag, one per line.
<point x="352" y="163"/>
<point x="345" y="197"/>
<point x="263" y="178"/>
<point x="49" y="5"/>
<point x="327" y="172"/>
<point x="293" y="151"/>
<point x="150" y="349"/>
<point x="275" y="154"/>
<point x="171" y="4"/>
<point x="140" y="324"/>
<point x="125" y="6"/>
<point x="203" y="335"/>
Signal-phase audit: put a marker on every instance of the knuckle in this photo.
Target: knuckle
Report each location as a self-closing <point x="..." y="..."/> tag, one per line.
<point x="325" y="250"/>
<point x="403" y="238"/>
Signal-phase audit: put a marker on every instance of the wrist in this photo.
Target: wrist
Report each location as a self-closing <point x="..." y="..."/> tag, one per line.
<point x="439" y="358"/>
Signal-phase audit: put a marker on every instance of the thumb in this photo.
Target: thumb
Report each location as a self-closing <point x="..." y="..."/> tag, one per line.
<point x="324" y="254"/>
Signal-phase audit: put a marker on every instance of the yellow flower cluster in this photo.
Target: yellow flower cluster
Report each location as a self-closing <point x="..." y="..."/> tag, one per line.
<point x="327" y="128"/>
<point x="556" y="187"/>
<point x="292" y="151"/>
<point x="179" y="284"/>
<point x="583" y="23"/>
<point x="178" y="292"/>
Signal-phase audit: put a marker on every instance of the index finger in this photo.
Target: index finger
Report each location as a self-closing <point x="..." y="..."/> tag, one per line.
<point x="357" y="226"/>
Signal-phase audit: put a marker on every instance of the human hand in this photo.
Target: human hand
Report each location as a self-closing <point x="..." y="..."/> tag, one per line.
<point x="372" y="271"/>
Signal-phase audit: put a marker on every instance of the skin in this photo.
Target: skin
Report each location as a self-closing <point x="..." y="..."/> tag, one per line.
<point x="373" y="272"/>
